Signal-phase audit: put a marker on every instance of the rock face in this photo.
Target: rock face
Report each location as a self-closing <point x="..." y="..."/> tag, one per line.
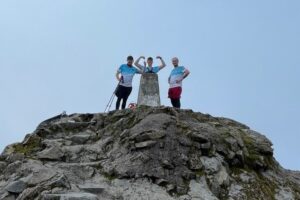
<point x="147" y="153"/>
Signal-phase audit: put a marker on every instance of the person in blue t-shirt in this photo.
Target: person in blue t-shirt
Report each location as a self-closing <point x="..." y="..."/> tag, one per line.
<point x="150" y="68"/>
<point x="175" y="81"/>
<point x="127" y="72"/>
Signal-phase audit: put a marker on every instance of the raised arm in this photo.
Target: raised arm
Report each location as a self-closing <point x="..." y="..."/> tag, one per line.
<point x="139" y="71"/>
<point x="136" y="63"/>
<point x="163" y="64"/>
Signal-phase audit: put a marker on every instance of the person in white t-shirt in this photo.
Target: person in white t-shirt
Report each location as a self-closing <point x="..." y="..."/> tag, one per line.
<point x="175" y="81"/>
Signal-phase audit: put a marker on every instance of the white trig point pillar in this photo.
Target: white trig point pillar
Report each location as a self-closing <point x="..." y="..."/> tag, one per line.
<point x="149" y="90"/>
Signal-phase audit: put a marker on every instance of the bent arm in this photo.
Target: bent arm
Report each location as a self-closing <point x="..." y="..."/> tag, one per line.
<point x="138" y="71"/>
<point x="163" y="64"/>
<point x="136" y="63"/>
<point x="186" y="73"/>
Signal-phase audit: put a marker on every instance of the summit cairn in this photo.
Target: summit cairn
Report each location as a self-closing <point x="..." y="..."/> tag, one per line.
<point x="149" y="90"/>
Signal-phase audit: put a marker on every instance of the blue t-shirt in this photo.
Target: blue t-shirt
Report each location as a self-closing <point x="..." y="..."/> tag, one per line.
<point x="176" y="75"/>
<point x="154" y="70"/>
<point x="127" y="73"/>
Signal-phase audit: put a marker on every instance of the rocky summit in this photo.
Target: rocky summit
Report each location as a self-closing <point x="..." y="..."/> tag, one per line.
<point x="148" y="153"/>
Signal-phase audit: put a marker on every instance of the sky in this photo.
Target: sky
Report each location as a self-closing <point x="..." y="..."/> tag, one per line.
<point x="62" y="55"/>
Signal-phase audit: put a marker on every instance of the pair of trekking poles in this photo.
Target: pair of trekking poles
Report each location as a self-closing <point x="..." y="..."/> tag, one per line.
<point x="111" y="100"/>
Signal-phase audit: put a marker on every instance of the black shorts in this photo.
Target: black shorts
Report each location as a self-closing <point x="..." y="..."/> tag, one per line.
<point x="123" y="92"/>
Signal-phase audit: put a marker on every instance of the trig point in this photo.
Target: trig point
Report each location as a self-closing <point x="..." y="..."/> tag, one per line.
<point x="149" y="90"/>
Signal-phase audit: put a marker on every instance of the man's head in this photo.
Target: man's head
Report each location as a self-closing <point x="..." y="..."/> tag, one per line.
<point x="175" y="61"/>
<point x="150" y="61"/>
<point x="129" y="60"/>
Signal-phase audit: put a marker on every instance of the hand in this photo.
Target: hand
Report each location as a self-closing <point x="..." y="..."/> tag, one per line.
<point x="158" y="57"/>
<point x="179" y="81"/>
<point x="119" y="78"/>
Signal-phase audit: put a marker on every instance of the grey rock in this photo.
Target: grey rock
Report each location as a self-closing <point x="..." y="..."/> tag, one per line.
<point x="70" y="196"/>
<point x="170" y="188"/>
<point x="185" y="197"/>
<point x="16" y="187"/>
<point x="230" y="122"/>
<point x="8" y="196"/>
<point x="39" y="176"/>
<point x="95" y="189"/>
<point x="205" y="146"/>
<point x="77" y="172"/>
<point x="167" y="164"/>
<point x="234" y="146"/>
<point x="230" y="155"/>
<point x="150" y="136"/>
<point x="211" y="165"/>
<point x="15" y="157"/>
<point x="200" y="191"/>
<point x="145" y="144"/>
<point x="3" y="165"/>
<point x="161" y="182"/>
<point x="246" y="178"/>
<point x="52" y="153"/>
<point x="9" y="150"/>
<point x="137" y="190"/>
<point x="198" y="137"/>
<point x="12" y="168"/>
<point x="219" y="181"/>
<point x="185" y="142"/>
<point x="59" y="181"/>
<point x="125" y="133"/>
<point x="236" y="192"/>
<point x="262" y="144"/>
<point x="31" y="193"/>
<point x="284" y="194"/>
<point x="222" y="177"/>
<point x="194" y="162"/>
<point x="81" y="138"/>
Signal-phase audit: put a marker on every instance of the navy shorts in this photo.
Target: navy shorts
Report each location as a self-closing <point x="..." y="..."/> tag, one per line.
<point x="123" y="92"/>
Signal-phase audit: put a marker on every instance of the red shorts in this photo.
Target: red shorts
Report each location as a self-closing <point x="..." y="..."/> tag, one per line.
<point x="174" y="93"/>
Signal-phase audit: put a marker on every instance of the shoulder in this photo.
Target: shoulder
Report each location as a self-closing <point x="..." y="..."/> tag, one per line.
<point x="182" y="68"/>
<point x="156" y="69"/>
<point x="122" y="66"/>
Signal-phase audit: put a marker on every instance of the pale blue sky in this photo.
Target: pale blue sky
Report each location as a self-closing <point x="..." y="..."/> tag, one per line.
<point x="243" y="56"/>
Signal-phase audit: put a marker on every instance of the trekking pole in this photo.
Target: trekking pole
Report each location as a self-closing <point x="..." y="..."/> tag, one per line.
<point x="108" y="106"/>
<point x="109" y="102"/>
